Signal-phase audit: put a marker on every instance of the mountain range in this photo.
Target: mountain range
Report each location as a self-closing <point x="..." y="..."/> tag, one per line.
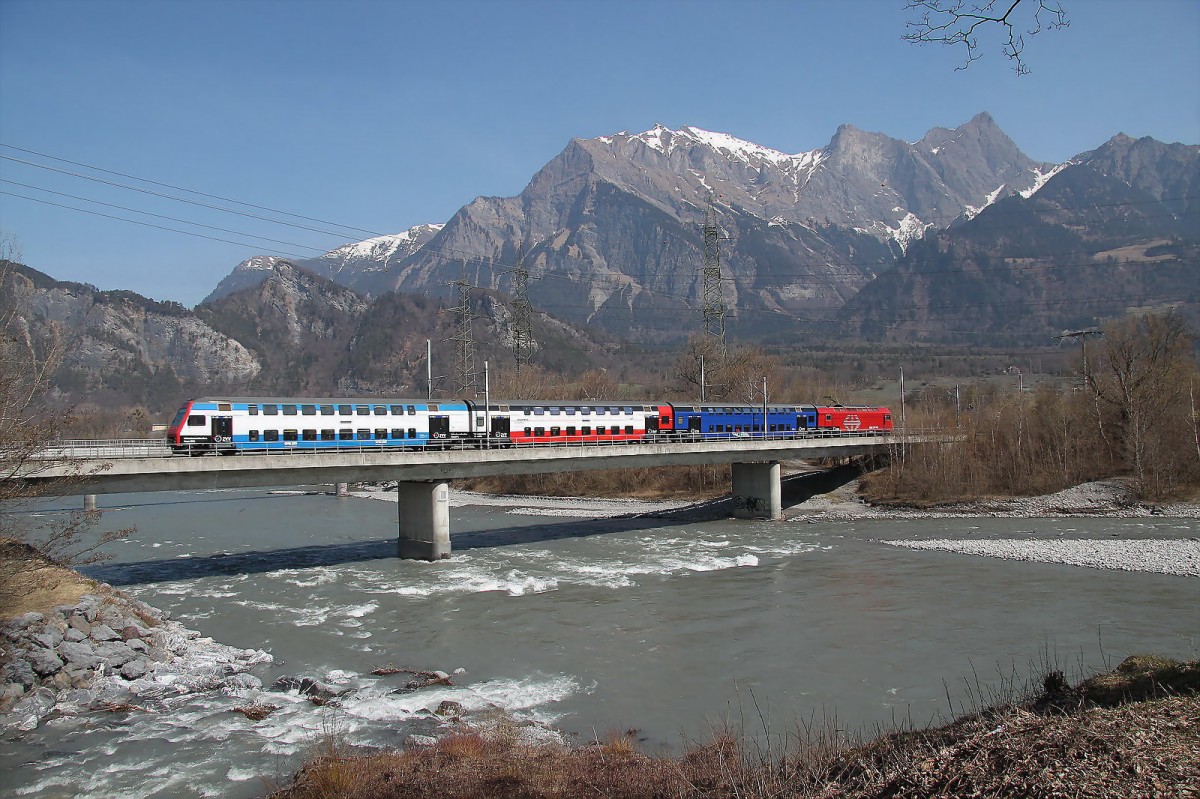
<point x="955" y="238"/>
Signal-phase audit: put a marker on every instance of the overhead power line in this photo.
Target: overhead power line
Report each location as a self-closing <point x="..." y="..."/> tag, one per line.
<point x="157" y="216"/>
<point x="189" y="191"/>
<point x="144" y="224"/>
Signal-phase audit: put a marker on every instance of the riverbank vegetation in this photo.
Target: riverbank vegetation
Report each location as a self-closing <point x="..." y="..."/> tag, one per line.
<point x="1131" y="412"/>
<point x="1132" y="732"/>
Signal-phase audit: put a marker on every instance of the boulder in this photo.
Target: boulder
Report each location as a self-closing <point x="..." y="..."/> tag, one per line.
<point x="135" y="668"/>
<point x="80" y="623"/>
<point x="102" y="632"/>
<point x="44" y="661"/>
<point x="448" y="708"/>
<point x="28" y="711"/>
<point x="48" y="638"/>
<point x="81" y="655"/>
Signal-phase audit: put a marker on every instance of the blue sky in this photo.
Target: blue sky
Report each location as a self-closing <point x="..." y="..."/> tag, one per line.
<point x="381" y="115"/>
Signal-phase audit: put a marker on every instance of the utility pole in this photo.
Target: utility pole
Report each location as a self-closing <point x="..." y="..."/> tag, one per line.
<point x="714" y="307"/>
<point x="1082" y="336"/>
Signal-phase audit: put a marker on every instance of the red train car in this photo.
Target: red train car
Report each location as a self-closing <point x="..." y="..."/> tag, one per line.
<point x="854" y="418"/>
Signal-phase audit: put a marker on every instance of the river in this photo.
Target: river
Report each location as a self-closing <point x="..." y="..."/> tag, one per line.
<point x="671" y="628"/>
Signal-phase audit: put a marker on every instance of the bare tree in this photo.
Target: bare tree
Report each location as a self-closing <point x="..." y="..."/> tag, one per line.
<point x="29" y="428"/>
<point x="1144" y="370"/>
<point x="958" y="23"/>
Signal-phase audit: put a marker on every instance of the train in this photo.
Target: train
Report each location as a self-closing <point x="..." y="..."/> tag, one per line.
<point x="229" y="425"/>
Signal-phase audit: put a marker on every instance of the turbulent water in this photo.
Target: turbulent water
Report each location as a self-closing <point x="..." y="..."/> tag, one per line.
<point x="592" y="625"/>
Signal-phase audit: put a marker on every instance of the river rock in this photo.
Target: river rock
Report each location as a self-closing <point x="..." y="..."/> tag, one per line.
<point x="80" y="623"/>
<point x="448" y="708"/>
<point x="26" y="620"/>
<point x="102" y="632"/>
<point x="19" y="671"/>
<point x="115" y="653"/>
<point x="28" y="711"/>
<point x="81" y="654"/>
<point x="44" y="662"/>
<point x="49" y="639"/>
<point x="135" y="668"/>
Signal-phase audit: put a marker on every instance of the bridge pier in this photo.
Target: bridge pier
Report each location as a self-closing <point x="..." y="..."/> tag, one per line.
<point x="756" y="491"/>
<point x="424" y="520"/>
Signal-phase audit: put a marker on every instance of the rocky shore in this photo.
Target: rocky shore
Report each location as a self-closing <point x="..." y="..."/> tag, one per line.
<point x="102" y="651"/>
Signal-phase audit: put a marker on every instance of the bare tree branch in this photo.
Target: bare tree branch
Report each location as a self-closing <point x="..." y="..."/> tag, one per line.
<point x="958" y="23"/>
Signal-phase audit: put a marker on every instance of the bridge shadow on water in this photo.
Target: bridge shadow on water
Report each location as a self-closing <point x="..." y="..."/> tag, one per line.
<point x="228" y="564"/>
<point x="794" y="491"/>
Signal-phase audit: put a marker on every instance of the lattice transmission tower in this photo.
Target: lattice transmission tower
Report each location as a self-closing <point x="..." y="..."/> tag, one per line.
<point x="714" y="305"/>
<point x="522" y="324"/>
<point x="465" y="383"/>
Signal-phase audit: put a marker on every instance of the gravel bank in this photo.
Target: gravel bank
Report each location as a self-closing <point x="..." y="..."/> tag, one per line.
<point x="1143" y="555"/>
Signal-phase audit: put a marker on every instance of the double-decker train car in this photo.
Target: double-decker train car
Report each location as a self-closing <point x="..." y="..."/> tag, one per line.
<point x="743" y="421"/>
<point x="549" y="422"/>
<point x="268" y="424"/>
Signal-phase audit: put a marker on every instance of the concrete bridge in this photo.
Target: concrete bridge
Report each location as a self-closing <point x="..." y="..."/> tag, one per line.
<point x="422" y="492"/>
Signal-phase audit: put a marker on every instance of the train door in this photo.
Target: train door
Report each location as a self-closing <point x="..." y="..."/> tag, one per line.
<point x="501" y="427"/>
<point x="222" y="433"/>
<point x="695" y="422"/>
<point x="439" y="426"/>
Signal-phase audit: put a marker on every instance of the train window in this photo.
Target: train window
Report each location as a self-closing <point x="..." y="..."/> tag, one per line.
<point x="570" y="411"/>
<point x="309" y="435"/>
<point x="555" y="411"/>
<point x="587" y="430"/>
<point x="396" y="410"/>
<point x="308" y="410"/>
<point x="224" y="406"/>
<point x="363" y="435"/>
<point x="397" y="432"/>
<point x="290" y="435"/>
<point x="381" y="410"/>
<point x="345" y="434"/>
<point x="600" y="430"/>
<point x="434" y="408"/>
<point x="539" y="431"/>
<point x="710" y="428"/>
<point x="829" y="417"/>
<point x="479" y="421"/>
<point x="328" y="435"/>
<point x="584" y="409"/>
<point x="528" y="431"/>
<point x="253" y="435"/>
<point x="599" y="411"/>
<point x="289" y="410"/>
<point x="362" y="410"/>
<point x="380" y="433"/>
<point x="344" y="410"/>
<point x="326" y="410"/>
<point x="628" y="409"/>
<point x="270" y="435"/>
<point x="571" y="430"/>
<point x="412" y="410"/>
<point x="412" y="432"/>
<point x="887" y="417"/>
<point x="628" y="429"/>
<point x="538" y="411"/>
<point x="556" y="431"/>
<point x="196" y="420"/>
<point x="252" y="410"/>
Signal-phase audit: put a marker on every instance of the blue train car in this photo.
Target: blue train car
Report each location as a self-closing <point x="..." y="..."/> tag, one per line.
<point x="727" y="420"/>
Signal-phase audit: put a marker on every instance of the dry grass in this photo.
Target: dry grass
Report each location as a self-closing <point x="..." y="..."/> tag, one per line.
<point x="31" y="582"/>
<point x="1132" y="733"/>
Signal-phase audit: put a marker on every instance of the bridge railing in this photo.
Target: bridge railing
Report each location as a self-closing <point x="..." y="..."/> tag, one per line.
<point x="158" y="447"/>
